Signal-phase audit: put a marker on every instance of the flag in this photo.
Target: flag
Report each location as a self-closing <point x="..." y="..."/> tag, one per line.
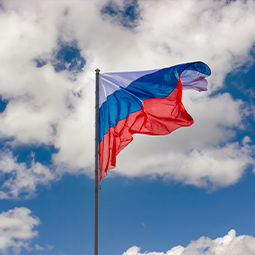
<point x="144" y="102"/>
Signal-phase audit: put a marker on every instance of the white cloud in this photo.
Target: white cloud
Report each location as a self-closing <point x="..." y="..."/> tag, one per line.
<point x="44" y="106"/>
<point x="211" y="167"/>
<point x="38" y="247"/>
<point x="16" y="229"/>
<point x="22" y="179"/>
<point x="50" y="247"/>
<point x="226" y="245"/>
<point x="210" y="31"/>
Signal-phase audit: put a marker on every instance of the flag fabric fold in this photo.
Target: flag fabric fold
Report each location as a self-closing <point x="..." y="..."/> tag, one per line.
<point x="144" y="102"/>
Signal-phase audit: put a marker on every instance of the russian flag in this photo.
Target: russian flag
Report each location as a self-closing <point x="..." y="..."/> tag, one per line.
<point x="144" y="102"/>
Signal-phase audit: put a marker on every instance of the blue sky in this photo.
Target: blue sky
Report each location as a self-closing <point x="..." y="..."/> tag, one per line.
<point x="190" y="192"/>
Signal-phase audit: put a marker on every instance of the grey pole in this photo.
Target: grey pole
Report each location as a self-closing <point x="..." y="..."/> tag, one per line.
<point x="96" y="162"/>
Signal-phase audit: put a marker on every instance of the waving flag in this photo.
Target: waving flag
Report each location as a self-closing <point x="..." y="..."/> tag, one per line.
<point x="144" y="102"/>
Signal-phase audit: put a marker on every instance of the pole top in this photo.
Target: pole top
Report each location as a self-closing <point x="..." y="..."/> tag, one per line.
<point x="97" y="70"/>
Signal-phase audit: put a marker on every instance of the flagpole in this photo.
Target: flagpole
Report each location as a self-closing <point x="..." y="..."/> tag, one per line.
<point x="96" y="162"/>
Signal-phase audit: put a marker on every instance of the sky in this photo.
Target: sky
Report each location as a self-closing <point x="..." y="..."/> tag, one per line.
<point x="187" y="193"/>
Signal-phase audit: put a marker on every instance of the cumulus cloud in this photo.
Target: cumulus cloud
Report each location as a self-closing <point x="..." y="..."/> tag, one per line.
<point x="20" y="178"/>
<point x="17" y="229"/>
<point x="51" y="102"/>
<point x="211" y="31"/>
<point x="228" y="244"/>
<point x="211" y="167"/>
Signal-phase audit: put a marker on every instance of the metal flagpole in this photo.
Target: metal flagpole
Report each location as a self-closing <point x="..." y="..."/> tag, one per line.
<point x="96" y="163"/>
